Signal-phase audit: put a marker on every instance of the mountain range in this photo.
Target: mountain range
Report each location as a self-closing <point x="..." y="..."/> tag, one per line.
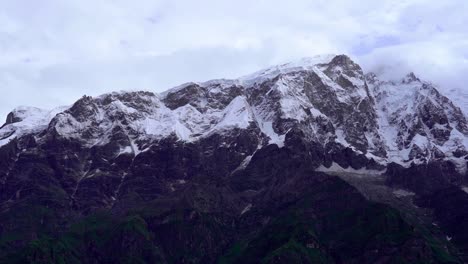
<point x="313" y="161"/>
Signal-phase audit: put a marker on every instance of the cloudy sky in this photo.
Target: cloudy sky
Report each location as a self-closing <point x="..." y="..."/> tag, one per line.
<point x="54" y="51"/>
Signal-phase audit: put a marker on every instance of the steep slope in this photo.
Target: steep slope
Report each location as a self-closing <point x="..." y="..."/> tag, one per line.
<point x="418" y="123"/>
<point x="24" y="121"/>
<point x="326" y="97"/>
<point x="228" y="164"/>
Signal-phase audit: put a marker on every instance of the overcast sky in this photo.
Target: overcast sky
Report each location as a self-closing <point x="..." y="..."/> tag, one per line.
<point x="54" y="51"/>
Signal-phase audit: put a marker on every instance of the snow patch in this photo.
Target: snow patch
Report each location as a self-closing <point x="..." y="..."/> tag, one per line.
<point x="267" y="129"/>
<point x="134" y="146"/>
<point x="125" y="150"/>
<point x="33" y="120"/>
<point x="402" y="193"/>
<point x="336" y="168"/>
<point x="236" y="114"/>
<point x="243" y="163"/>
<point x="465" y="188"/>
<point x="246" y="209"/>
<point x="181" y="131"/>
<point x="271" y="72"/>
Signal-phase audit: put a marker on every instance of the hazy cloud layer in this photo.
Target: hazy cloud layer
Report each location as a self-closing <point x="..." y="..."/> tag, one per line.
<point x="54" y="51"/>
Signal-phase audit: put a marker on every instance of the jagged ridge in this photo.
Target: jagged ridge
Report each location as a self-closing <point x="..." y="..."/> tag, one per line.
<point x="327" y="97"/>
<point x="232" y="171"/>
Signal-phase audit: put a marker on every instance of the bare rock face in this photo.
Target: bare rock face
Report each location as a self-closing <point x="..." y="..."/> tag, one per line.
<point x="213" y="94"/>
<point x="230" y="171"/>
<point x="12" y="118"/>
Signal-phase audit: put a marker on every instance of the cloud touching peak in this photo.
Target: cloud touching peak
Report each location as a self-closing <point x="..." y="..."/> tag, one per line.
<point x="54" y="51"/>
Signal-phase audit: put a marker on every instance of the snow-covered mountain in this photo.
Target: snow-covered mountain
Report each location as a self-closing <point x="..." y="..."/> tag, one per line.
<point x="237" y="171"/>
<point x="329" y="98"/>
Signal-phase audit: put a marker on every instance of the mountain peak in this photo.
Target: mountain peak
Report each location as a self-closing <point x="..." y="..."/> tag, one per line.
<point x="410" y="77"/>
<point x="305" y="63"/>
<point x="20" y="113"/>
<point x="327" y="97"/>
<point x="214" y="159"/>
<point x="342" y="59"/>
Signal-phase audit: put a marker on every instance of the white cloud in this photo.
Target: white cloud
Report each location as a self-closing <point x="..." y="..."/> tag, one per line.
<point x="53" y="51"/>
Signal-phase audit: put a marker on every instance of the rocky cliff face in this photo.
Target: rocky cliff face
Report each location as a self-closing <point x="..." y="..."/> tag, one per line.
<point x="232" y="171"/>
